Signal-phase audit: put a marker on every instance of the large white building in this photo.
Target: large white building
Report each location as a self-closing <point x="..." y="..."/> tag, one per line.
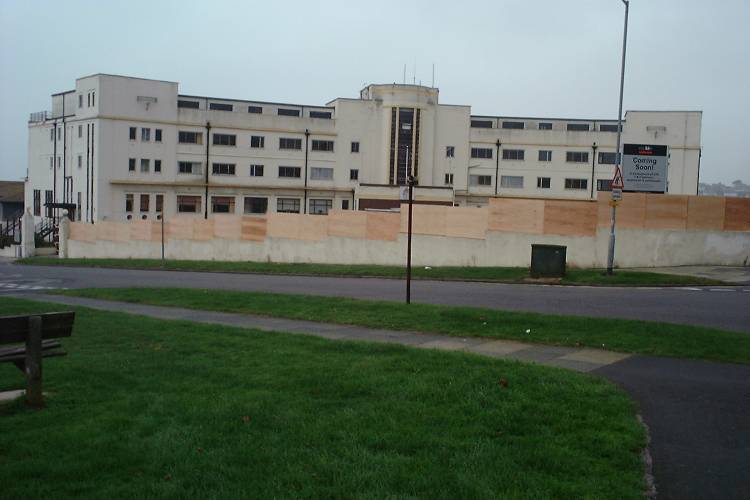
<point x="121" y="148"/>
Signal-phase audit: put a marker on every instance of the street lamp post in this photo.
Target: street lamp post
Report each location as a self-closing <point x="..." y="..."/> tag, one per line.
<point x="618" y="155"/>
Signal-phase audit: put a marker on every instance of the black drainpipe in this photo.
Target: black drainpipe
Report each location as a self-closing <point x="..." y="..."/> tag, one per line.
<point x="593" y="164"/>
<point x="307" y="138"/>
<point x="93" y="142"/>
<point x="88" y="153"/>
<point x="208" y="142"/>
<point x="54" y="168"/>
<point x="698" y="181"/>
<point x="497" y="165"/>
<point x="65" y="149"/>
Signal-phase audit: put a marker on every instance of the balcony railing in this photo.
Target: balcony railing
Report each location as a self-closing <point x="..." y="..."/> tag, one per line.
<point x="40" y="116"/>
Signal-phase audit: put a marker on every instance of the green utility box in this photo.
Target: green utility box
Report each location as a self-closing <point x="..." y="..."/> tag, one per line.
<point x="548" y="261"/>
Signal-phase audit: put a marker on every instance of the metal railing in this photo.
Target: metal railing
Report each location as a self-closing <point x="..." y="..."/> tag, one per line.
<point x="40" y="116"/>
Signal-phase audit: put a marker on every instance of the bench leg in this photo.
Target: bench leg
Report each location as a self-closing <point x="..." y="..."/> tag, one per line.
<point x="34" y="363"/>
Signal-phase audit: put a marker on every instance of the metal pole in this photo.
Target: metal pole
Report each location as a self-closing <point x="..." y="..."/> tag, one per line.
<point x="497" y="164"/>
<point x="162" y="233"/>
<point x="618" y="154"/>
<point x="408" y="244"/>
<point x="307" y="149"/>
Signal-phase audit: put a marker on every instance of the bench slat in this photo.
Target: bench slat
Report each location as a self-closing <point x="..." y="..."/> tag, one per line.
<point x="46" y="344"/>
<point x="22" y="357"/>
<point x="54" y="325"/>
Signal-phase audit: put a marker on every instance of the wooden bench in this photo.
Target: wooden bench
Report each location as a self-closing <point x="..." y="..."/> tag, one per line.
<point x="35" y="332"/>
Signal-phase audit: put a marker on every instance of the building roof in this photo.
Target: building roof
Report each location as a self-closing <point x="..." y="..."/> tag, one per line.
<point x="11" y="192"/>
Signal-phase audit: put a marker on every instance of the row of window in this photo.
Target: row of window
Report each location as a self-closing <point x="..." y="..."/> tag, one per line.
<point x="605" y="158"/>
<point x="226" y="204"/>
<point x="145" y="134"/>
<point x="516" y="182"/>
<point x="256" y="141"/>
<point x="222" y="106"/>
<point x="518" y="125"/>
<point x="192" y="167"/>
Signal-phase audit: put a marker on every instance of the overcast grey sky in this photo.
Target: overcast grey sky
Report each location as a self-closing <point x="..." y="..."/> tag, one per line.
<point x="527" y="58"/>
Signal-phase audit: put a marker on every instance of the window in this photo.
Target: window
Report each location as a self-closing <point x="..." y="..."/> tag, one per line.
<point x="604" y="184"/>
<point x="128" y="202"/>
<point x="513" y="154"/>
<point x="220" y="106"/>
<point x="80" y="100"/>
<point x="320" y="207"/>
<point x="133" y="132"/>
<point x="225" y="140"/>
<point x="321" y="174"/>
<point x="256" y="170"/>
<point x="80" y="131"/>
<point x="145" y="165"/>
<point x="37" y="202"/>
<point x="576" y="183"/>
<point x="608" y="127"/>
<point x="159" y="203"/>
<point x="157" y="135"/>
<point x="545" y="126"/>
<point x="287" y="205"/>
<point x="257" y="141"/>
<point x="545" y="155"/>
<point x="131" y="164"/>
<point x="144" y="198"/>
<point x="450" y="151"/>
<point x="254" y="205"/>
<point x="481" y="123"/>
<point x="48" y="199"/>
<point x="577" y="156"/>
<point x="355" y="147"/>
<point x="513" y="125"/>
<point x="188" y="204"/>
<point x="184" y="137"/>
<point x="188" y="167"/>
<point x="80" y="161"/>
<point x="51" y="134"/>
<point x="288" y="112"/>
<point x="321" y="114"/>
<point x="344" y="204"/>
<point x="59" y="133"/>
<point x="448" y="179"/>
<point x="222" y="168"/>
<point x="157" y="166"/>
<point x="255" y="109"/>
<point x="578" y="127"/>
<point x="88" y="100"/>
<point x="145" y="134"/>
<point x="511" y="181"/>
<point x="354" y="174"/>
<point x="318" y="145"/>
<point x="51" y="163"/>
<point x="222" y="204"/>
<point x="481" y="153"/>
<point x="607" y="158"/>
<point x="93" y="98"/>
<point x="480" y="180"/>
<point x="187" y="104"/>
<point x="289" y="172"/>
<point x="543" y="182"/>
<point x="289" y="143"/>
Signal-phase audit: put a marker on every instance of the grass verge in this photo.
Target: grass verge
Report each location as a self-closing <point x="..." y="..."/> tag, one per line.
<point x="151" y="408"/>
<point x="493" y="274"/>
<point x="642" y="337"/>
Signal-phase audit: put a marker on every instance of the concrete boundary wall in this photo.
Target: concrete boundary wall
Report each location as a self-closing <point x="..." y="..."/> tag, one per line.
<point x="653" y="230"/>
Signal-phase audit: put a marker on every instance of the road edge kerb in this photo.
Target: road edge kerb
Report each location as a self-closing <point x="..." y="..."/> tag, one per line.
<point x="726" y="284"/>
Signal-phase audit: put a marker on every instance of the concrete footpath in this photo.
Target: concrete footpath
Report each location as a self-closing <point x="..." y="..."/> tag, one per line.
<point x="583" y="360"/>
<point x="698" y="412"/>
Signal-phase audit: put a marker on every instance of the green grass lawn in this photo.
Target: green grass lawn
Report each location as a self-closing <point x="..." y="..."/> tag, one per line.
<point x="145" y="408"/>
<point x="643" y="337"/>
<point x="495" y="274"/>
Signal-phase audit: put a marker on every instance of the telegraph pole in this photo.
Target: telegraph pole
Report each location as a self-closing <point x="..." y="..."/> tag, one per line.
<point x="618" y="154"/>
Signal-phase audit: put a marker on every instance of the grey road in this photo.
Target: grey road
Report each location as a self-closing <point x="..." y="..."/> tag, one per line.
<point x="721" y="307"/>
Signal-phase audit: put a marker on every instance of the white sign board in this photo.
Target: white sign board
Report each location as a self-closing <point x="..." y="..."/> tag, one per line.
<point x="403" y="193"/>
<point x="644" y="168"/>
<point x="616" y="194"/>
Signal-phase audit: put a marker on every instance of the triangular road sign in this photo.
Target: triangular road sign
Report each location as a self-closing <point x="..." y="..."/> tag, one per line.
<point x="617" y="182"/>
